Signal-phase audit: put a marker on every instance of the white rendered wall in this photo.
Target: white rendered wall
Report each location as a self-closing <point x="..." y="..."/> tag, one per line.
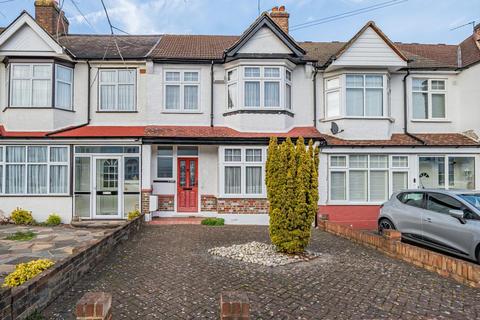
<point x="41" y="207"/>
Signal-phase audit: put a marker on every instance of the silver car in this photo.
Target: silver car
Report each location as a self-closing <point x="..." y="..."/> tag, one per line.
<point x="448" y="220"/>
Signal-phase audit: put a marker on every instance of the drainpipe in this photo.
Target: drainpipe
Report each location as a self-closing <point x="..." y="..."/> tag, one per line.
<point x="315" y="101"/>
<point x="88" y="108"/>
<point x="211" y="95"/>
<point x="405" y="109"/>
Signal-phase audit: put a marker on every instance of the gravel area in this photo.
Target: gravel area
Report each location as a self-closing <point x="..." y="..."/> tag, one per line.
<point x="261" y="253"/>
<point x="166" y="272"/>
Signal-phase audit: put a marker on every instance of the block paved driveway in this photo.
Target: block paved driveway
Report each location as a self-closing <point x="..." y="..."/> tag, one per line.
<point x="165" y="272"/>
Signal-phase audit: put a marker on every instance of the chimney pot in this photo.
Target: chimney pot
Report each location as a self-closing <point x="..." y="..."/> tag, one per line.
<point x="49" y="16"/>
<point x="280" y="16"/>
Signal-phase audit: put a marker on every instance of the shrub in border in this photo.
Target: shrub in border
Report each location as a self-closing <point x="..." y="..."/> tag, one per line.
<point x="26" y="271"/>
<point x="53" y="220"/>
<point x="213" y="222"/>
<point x="22" y="216"/>
<point x="133" y="214"/>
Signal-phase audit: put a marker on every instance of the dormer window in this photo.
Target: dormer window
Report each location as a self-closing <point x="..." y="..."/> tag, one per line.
<point x="259" y="87"/>
<point x="32" y="85"/>
<point x="356" y="96"/>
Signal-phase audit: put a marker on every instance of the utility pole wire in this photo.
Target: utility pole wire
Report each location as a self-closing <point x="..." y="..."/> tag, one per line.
<point x="112" y="32"/>
<point x="83" y="15"/>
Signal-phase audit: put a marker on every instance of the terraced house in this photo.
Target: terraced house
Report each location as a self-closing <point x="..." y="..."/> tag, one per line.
<point x="179" y="124"/>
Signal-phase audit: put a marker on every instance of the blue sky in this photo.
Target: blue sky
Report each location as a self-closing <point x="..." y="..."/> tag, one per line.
<point x="425" y="21"/>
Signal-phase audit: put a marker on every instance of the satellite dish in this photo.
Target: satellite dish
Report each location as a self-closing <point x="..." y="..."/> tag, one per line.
<point x="334" y="129"/>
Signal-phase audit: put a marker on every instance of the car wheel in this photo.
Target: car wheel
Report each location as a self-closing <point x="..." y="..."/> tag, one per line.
<point x="385" y="224"/>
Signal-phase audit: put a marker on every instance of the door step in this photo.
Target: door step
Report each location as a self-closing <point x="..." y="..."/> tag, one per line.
<point x="174" y="220"/>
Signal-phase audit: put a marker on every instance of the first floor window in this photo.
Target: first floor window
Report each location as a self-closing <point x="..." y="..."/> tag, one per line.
<point x="117" y="89"/>
<point x="31" y="85"/>
<point x="182" y="90"/>
<point x="64" y="87"/>
<point x="454" y="172"/>
<point x="364" y="95"/>
<point x="33" y="170"/>
<point x="332" y="97"/>
<point x="243" y="170"/>
<point x="366" y="178"/>
<point x="428" y="98"/>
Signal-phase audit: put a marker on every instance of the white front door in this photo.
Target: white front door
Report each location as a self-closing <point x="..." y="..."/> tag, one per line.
<point x="107" y="194"/>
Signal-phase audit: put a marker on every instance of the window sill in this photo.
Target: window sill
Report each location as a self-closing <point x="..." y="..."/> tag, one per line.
<point x="181" y="112"/>
<point x="348" y="203"/>
<point x="259" y="111"/>
<point x="164" y="180"/>
<point x="356" y="118"/>
<point x="3" y="195"/>
<point x="243" y="196"/>
<point x="431" y="120"/>
<point x="115" y="111"/>
<point x="37" y="108"/>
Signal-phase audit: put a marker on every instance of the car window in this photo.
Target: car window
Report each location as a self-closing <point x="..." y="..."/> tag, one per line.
<point x="473" y="199"/>
<point x="414" y="199"/>
<point x="442" y="203"/>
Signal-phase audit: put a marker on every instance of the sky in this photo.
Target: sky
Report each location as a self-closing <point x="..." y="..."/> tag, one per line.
<point x="423" y="21"/>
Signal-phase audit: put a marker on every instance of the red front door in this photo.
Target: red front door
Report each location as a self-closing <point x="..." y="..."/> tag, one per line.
<point x="187" y="185"/>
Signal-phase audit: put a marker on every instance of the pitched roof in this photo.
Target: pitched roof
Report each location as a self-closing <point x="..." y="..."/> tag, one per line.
<point x="470" y="51"/>
<point x="86" y="46"/>
<point x="192" y="46"/>
<point x="403" y="140"/>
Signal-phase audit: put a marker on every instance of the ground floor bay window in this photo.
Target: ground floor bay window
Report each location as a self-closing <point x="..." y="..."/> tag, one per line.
<point x="366" y="178"/>
<point x="450" y="172"/>
<point x="106" y="181"/>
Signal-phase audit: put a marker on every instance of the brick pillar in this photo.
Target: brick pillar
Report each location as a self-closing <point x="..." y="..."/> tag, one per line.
<point x="234" y="305"/>
<point x="94" y="306"/>
<point x="145" y="205"/>
<point x="393" y="235"/>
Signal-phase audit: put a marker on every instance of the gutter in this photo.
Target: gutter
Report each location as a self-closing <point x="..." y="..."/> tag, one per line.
<point x="315" y="97"/>
<point x="405" y="113"/>
<point x="211" y="93"/>
<point x="89" y="118"/>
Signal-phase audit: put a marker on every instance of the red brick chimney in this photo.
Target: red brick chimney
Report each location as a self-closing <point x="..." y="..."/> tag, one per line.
<point x="476" y="35"/>
<point x="280" y="16"/>
<point x="50" y="17"/>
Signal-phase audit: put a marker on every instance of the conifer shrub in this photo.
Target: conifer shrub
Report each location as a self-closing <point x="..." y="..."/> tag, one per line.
<point x="292" y="191"/>
<point x="21" y="216"/>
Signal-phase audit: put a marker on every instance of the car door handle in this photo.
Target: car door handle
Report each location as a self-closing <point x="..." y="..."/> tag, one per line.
<point x="427" y="220"/>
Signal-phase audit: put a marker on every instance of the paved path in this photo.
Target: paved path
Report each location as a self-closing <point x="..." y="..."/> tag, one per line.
<point x="166" y="273"/>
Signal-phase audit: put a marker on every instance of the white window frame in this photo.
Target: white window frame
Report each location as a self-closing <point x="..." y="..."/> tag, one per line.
<point x="241" y="79"/>
<point x="243" y="164"/>
<point x="182" y="83"/>
<point x="116" y="83"/>
<point x="390" y="169"/>
<point x="48" y="163"/>
<point x="342" y="89"/>
<point x="429" y="93"/>
<point x="171" y="157"/>
<point x="70" y="107"/>
<point x="365" y="89"/>
<point x="447" y="169"/>
<point x="31" y="78"/>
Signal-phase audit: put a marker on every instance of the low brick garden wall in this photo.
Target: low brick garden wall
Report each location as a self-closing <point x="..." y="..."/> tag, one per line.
<point x="37" y="293"/>
<point x="461" y="270"/>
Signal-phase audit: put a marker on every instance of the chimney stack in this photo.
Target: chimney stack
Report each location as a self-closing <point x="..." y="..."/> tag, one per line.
<point x="50" y="17"/>
<point x="476" y="35"/>
<point x="280" y="16"/>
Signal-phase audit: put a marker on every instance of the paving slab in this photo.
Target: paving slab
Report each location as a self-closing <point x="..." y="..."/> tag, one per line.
<point x="165" y="272"/>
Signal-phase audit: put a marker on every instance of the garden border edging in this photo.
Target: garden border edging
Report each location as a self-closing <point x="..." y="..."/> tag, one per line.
<point x="38" y="292"/>
<point x="460" y="270"/>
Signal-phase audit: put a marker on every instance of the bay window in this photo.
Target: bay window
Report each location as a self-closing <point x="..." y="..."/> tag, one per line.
<point x="182" y="91"/>
<point x="117" y="90"/>
<point x="259" y="87"/>
<point x="356" y="95"/>
<point x="242" y="171"/>
<point x="33" y="170"/>
<point x="450" y="172"/>
<point x="366" y="178"/>
<point x="428" y="99"/>
<point x="63" y="87"/>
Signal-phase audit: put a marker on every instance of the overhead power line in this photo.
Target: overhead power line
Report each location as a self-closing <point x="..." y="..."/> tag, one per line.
<point x="83" y="15"/>
<point x="112" y="32"/>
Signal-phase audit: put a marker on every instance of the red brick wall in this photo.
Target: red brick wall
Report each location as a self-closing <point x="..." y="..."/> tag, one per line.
<point x="357" y="217"/>
<point x="208" y="203"/>
<point x="145" y="205"/>
<point x="166" y="202"/>
<point x="248" y="206"/>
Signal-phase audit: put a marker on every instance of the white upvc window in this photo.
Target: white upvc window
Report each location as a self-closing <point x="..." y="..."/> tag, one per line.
<point x="429" y="99"/>
<point x="34" y="170"/>
<point x="259" y="87"/>
<point x="361" y="178"/>
<point x="63" y="87"/>
<point x="242" y="171"/>
<point x="446" y="171"/>
<point x="117" y="90"/>
<point x="182" y="90"/>
<point x="165" y="162"/>
<point x="357" y="95"/>
<point x="31" y="85"/>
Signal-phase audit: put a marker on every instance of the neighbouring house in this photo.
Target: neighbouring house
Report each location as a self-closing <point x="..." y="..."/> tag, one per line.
<point x="179" y="124"/>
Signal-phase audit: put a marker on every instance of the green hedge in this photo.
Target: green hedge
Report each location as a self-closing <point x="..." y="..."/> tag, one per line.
<point x="213" y="221"/>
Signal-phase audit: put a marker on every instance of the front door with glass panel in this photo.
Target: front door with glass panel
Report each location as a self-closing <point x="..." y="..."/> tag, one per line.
<point x="187" y="185"/>
<point x="106" y="182"/>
